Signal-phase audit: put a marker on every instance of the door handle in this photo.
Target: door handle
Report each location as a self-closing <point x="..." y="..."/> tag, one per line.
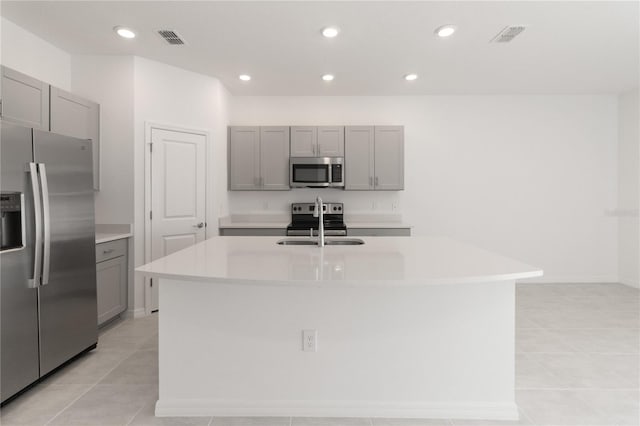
<point x="200" y="225"/>
<point x="108" y="251"/>
<point x="46" y="221"/>
<point x="37" y="208"/>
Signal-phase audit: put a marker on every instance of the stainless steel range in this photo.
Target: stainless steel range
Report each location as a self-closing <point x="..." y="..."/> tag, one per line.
<point x="303" y="221"/>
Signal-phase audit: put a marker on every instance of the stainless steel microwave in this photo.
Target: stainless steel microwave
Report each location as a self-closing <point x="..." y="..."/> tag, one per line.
<point x="316" y="172"/>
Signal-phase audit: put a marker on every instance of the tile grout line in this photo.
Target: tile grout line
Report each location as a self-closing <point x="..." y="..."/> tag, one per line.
<point x="91" y="387"/>
<point x="134" y="416"/>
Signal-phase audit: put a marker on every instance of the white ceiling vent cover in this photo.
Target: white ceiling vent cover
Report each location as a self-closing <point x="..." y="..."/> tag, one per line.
<point x="508" y="33"/>
<point x="171" y="37"/>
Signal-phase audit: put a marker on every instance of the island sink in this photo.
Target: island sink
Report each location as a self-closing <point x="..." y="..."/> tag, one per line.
<point x="337" y="242"/>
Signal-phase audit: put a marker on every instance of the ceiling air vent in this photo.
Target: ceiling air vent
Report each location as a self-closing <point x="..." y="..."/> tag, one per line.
<point x="507" y="34"/>
<point x="171" y="37"/>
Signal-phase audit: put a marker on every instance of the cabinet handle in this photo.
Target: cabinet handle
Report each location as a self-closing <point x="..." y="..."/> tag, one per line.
<point x="108" y="251"/>
<point x="376" y="180"/>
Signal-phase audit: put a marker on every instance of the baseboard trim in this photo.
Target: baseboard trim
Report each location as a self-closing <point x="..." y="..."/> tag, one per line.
<point x="569" y="279"/>
<point x="135" y="313"/>
<point x="213" y="407"/>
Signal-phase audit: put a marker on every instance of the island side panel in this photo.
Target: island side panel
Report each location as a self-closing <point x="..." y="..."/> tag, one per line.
<point x="422" y="351"/>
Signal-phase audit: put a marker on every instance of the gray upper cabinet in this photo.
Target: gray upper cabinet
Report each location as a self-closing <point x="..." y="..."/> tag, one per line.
<point x="25" y="100"/>
<point x="358" y="158"/>
<point x="323" y="141"/>
<point x="74" y="116"/>
<point x="330" y="141"/>
<point x="304" y="141"/>
<point x="258" y="158"/>
<point x="33" y="103"/>
<point x="389" y="158"/>
<point x="274" y="158"/>
<point x="244" y="158"/>
<point x="374" y="158"/>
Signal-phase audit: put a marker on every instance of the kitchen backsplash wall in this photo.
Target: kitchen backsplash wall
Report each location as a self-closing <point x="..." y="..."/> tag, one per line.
<point x="241" y="202"/>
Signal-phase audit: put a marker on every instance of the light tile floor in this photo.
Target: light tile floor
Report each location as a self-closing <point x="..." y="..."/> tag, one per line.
<point x="577" y="363"/>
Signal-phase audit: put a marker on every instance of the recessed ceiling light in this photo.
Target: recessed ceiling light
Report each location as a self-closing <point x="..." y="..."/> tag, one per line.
<point x="411" y="77"/>
<point x="330" y="32"/>
<point x="244" y="77"/>
<point x="445" y="30"/>
<point x="327" y="77"/>
<point x="124" y="32"/>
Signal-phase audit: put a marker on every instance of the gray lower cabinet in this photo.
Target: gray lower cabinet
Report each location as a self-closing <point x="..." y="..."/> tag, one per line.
<point x="379" y="232"/>
<point x="374" y="158"/>
<point x="74" y="116"/>
<point x="282" y="232"/>
<point x="253" y="232"/>
<point x="25" y="100"/>
<point x="111" y="271"/>
<point x="258" y="158"/>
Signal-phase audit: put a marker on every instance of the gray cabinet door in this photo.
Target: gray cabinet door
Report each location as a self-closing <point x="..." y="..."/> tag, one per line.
<point x="304" y="141"/>
<point x="274" y="158"/>
<point x="389" y="158"/>
<point x="244" y="158"/>
<point x="111" y="288"/>
<point x="25" y="100"/>
<point x="74" y="116"/>
<point x="331" y="141"/>
<point x="359" y="157"/>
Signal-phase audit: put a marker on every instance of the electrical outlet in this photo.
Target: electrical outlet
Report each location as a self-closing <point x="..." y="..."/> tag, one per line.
<point x="310" y="340"/>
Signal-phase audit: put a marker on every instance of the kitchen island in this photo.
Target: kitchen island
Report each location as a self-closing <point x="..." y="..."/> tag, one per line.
<point x="403" y="327"/>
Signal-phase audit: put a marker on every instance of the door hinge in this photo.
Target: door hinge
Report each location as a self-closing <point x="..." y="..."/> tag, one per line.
<point x="150" y="215"/>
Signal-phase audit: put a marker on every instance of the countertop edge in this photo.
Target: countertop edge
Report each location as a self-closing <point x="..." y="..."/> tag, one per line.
<point x="112" y="237"/>
<point x="345" y="283"/>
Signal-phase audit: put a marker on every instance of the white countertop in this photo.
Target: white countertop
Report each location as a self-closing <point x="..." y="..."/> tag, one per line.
<point x="105" y="237"/>
<point x="381" y="261"/>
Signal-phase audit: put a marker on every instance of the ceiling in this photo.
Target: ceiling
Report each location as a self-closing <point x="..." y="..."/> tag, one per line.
<point x="568" y="47"/>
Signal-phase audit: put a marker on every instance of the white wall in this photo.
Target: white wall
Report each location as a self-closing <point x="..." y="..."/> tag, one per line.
<point x="109" y="80"/>
<point x="629" y="189"/>
<point x="527" y="176"/>
<point x="29" y="54"/>
<point x="172" y="96"/>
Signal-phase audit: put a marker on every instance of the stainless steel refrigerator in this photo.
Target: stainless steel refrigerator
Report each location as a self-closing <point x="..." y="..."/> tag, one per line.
<point x="48" y="312"/>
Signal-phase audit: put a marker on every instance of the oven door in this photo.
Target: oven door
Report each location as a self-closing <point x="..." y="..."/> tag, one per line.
<point x="310" y="172"/>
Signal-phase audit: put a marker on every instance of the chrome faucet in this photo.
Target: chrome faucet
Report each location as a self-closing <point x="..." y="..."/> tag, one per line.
<point x="318" y="212"/>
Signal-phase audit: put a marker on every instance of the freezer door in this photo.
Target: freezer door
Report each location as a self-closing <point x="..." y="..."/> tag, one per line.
<point x="18" y="301"/>
<point x="68" y="311"/>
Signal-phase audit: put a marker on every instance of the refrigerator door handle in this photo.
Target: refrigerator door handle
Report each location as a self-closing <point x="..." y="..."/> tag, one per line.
<point x="37" y="256"/>
<point x="46" y="221"/>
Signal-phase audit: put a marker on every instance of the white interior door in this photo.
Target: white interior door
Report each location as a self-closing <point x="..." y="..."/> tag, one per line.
<point x="178" y="196"/>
